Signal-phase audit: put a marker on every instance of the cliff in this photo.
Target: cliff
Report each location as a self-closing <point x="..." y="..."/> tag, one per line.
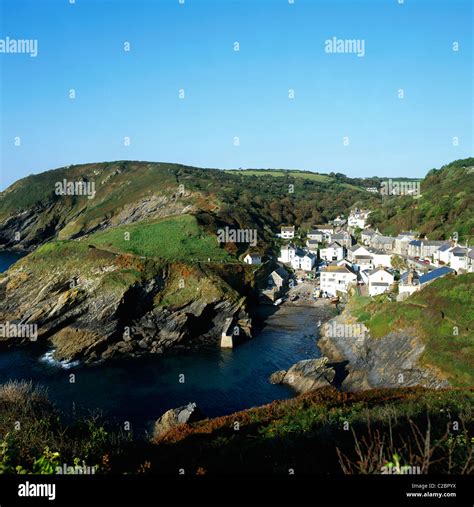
<point x="93" y="304"/>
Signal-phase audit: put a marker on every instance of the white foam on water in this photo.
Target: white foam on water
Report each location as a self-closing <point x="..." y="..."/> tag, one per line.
<point x="49" y="359"/>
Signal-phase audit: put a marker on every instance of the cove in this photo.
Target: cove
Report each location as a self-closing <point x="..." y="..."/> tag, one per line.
<point x="140" y="390"/>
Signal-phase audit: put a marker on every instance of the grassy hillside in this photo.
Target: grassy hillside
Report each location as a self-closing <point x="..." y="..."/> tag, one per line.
<point x="445" y="206"/>
<point x="136" y="191"/>
<point x="442" y="314"/>
<point x="173" y="239"/>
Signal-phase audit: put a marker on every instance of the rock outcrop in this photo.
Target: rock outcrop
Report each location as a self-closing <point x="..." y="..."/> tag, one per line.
<point x="100" y="313"/>
<point x="187" y="414"/>
<point x="390" y="361"/>
<point x="306" y="375"/>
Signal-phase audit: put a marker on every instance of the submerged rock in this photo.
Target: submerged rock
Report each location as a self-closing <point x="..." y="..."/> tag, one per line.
<point x="186" y="414"/>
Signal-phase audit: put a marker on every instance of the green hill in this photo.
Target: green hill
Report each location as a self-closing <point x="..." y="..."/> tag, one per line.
<point x="131" y="192"/>
<point x="445" y="205"/>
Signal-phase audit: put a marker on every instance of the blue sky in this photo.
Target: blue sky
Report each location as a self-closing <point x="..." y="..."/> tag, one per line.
<point x="240" y="94"/>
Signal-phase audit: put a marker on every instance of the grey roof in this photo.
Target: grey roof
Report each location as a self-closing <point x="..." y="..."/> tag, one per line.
<point x="368" y="232"/>
<point x="433" y="243"/>
<point x="334" y="244"/>
<point x="459" y="251"/>
<point x="383" y="239"/>
<point x="377" y="251"/>
<point x="376" y="270"/>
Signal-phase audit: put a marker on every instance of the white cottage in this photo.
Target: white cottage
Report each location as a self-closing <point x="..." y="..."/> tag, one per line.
<point x="379" y="281"/>
<point x="336" y="279"/>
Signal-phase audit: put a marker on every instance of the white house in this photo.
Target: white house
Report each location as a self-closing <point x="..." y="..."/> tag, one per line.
<point x="337" y="279"/>
<point x="308" y="262"/>
<point x="287" y="232"/>
<point x="321" y="233"/>
<point x="334" y="252"/>
<point x="358" y="218"/>
<point x="379" y="280"/>
<point x="304" y="261"/>
<point x="380" y="258"/>
<point x="361" y="258"/>
<point x="287" y="253"/>
<point x="253" y="259"/>
<point x="458" y="258"/>
<point x="443" y="254"/>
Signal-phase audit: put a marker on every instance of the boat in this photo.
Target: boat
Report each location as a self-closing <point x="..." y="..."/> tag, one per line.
<point x="278" y="302"/>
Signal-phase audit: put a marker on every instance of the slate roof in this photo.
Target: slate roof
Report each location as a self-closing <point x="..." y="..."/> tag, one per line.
<point x="444" y="247"/>
<point x="436" y="273"/>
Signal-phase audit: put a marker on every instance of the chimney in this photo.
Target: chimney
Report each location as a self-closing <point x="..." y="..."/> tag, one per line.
<point x="410" y="277"/>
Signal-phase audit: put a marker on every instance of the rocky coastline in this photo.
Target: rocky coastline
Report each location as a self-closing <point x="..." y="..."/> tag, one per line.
<point x="358" y="362"/>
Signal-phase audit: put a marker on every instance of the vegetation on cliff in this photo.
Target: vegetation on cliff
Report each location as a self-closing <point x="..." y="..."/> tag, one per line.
<point x="441" y="314"/>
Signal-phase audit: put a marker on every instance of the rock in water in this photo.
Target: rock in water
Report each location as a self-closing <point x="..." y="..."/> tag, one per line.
<point x="309" y="374"/>
<point x="187" y="414"/>
<point x="277" y="377"/>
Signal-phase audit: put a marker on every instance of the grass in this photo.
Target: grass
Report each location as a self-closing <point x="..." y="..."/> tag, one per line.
<point x="442" y="314"/>
<point x="280" y="173"/>
<point x="307" y="175"/>
<point x="178" y="238"/>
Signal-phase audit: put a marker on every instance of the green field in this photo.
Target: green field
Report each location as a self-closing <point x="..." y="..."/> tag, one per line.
<point x="307" y="175"/>
<point x="177" y="238"/>
<point x="295" y="174"/>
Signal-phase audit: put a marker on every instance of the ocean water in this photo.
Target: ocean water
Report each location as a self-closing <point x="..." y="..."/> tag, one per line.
<point x="140" y="390"/>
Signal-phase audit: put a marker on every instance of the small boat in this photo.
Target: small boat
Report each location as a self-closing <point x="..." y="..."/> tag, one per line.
<point x="278" y="302"/>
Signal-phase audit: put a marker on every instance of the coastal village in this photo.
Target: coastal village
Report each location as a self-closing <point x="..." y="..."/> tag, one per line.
<point x="344" y="255"/>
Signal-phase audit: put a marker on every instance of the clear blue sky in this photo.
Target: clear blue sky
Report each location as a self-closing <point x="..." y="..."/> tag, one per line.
<point x="243" y="94"/>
